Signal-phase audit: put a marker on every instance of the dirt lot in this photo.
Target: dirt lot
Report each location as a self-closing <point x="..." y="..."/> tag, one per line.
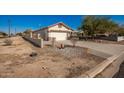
<point x="15" y="60"/>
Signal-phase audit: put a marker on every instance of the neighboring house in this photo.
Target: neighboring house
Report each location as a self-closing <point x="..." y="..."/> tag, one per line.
<point x="60" y="31"/>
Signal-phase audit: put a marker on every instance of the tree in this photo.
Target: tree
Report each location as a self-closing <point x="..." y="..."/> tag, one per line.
<point x="20" y="34"/>
<point x="120" y="31"/>
<point x="106" y="25"/>
<point x="27" y="31"/>
<point x="3" y="33"/>
<point x="88" y="25"/>
<point x="92" y="25"/>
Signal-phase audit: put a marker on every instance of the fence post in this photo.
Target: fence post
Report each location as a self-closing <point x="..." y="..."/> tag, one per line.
<point x="41" y="43"/>
<point x="30" y="34"/>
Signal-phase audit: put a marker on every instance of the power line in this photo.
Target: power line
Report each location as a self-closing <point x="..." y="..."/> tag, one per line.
<point x="15" y="31"/>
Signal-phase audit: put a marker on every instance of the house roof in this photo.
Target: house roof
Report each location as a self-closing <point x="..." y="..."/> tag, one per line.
<point x="55" y="25"/>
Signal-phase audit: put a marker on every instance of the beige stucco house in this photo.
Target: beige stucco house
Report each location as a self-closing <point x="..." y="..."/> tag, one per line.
<point x="60" y="31"/>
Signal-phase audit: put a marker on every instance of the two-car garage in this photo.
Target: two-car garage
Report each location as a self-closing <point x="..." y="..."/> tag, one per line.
<point x="58" y="35"/>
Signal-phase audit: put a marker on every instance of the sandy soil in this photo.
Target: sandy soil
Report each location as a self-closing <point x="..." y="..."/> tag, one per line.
<point x="18" y="47"/>
<point x="16" y="62"/>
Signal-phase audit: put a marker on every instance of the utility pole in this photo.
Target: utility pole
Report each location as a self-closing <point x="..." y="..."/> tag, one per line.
<point x="15" y="31"/>
<point x="9" y="28"/>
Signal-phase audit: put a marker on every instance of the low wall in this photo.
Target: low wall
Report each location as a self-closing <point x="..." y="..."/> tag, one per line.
<point x="113" y="38"/>
<point x="36" y="42"/>
<point x="107" y="68"/>
<point x="120" y="38"/>
<point x="109" y="38"/>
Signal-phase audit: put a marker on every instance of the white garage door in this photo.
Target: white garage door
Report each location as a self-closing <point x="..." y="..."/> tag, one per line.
<point x="58" y="35"/>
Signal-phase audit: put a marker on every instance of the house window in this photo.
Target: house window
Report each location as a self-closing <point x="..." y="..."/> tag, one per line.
<point x="59" y="26"/>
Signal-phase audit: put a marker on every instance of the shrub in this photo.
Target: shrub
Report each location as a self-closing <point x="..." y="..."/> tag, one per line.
<point x="8" y="42"/>
<point x="20" y="34"/>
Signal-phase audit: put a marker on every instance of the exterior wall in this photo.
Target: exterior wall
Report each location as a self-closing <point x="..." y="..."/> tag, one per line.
<point x="120" y="38"/>
<point x="58" y="35"/>
<point x="63" y="28"/>
<point x="114" y="38"/>
<point x="109" y="38"/>
<point x="46" y="35"/>
<point x="43" y="34"/>
<point x="68" y="35"/>
<point x="107" y="68"/>
<point x="36" y="42"/>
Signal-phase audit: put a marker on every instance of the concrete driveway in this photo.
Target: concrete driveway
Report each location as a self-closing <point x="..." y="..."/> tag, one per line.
<point x="111" y="49"/>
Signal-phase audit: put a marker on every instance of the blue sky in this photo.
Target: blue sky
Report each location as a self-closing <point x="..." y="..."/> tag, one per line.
<point x="22" y="22"/>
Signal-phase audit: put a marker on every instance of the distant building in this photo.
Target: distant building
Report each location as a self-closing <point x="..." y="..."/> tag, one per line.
<point x="2" y="34"/>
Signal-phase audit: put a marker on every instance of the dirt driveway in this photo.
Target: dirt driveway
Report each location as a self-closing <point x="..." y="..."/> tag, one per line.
<point x="111" y="49"/>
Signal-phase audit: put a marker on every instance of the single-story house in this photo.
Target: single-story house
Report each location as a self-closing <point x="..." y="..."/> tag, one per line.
<point x="59" y="31"/>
